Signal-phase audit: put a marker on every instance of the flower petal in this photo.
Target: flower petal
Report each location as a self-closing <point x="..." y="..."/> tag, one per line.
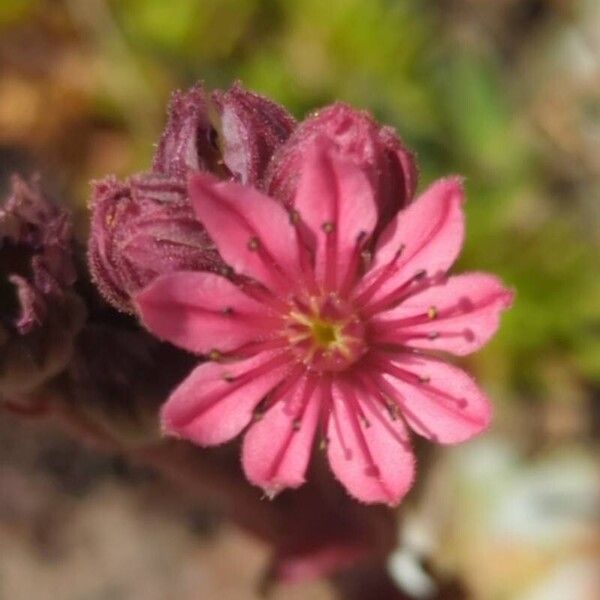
<point x="277" y="448"/>
<point x="424" y="238"/>
<point x="458" y="316"/>
<point x="368" y="450"/>
<point x="216" y="401"/>
<point x="201" y="312"/>
<point x="438" y="401"/>
<point x="336" y="201"/>
<point x="252" y="231"/>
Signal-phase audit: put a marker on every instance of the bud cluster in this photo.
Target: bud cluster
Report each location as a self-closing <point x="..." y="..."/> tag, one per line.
<point x="145" y="226"/>
<point x="39" y="313"/>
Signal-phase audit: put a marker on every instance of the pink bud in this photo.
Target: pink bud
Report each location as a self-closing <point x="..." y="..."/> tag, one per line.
<point x="390" y="166"/>
<point x="229" y="133"/>
<point x="251" y="129"/>
<point x="40" y="314"/>
<point x="35" y="254"/>
<point x="141" y="229"/>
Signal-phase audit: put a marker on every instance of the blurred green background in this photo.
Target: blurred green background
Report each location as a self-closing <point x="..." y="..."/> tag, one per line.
<point x="504" y="92"/>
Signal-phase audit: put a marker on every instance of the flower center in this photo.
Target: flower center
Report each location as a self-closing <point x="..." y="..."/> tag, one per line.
<point x="325" y="333"/>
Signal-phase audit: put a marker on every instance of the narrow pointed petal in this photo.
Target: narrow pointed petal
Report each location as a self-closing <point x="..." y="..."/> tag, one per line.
<point x="458" y="316"/>
<point x="201" y="312"/>
<point x="369" y="454"/>
<point x="426" y="237"/>
<point x="252" y="231"/>
<point x="438" y="401"/>
<point x="277" y="448"/>
<point x="216" y="401"/>
<point x="336" y="201"/>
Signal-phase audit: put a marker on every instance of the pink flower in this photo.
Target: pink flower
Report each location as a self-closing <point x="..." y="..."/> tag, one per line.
<point x="320" y="327"/>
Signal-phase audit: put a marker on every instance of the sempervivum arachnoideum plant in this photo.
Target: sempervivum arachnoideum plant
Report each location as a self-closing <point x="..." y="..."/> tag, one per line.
<point x="295" y="261"/>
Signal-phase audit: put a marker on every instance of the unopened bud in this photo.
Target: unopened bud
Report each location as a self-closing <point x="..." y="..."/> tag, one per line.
<point x="140" y="229"/>
<point x="229" y="133"/>
<point x="378" y="150"/>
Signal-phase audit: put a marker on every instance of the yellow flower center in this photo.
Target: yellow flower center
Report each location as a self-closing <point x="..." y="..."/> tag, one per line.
<point x="325" y="334"/>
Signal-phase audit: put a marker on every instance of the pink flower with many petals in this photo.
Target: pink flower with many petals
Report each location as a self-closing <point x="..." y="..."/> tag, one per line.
<point x="320" y="327"/>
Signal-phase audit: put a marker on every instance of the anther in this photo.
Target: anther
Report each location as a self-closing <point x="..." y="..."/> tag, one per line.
<point x="214" y="355"/>
<point x="433" y="335"/>
<point x="228" y="311"/>
<point x="323" y="443"/>
<point x="294" y="216"/>
<point x="253" y="244"/>
<point x="424" y="379"/>
<point x="296" y="424"/>
<point x="432" y="312"/>
<point x="420" y="274"/>
<point x="259" y="411"/>
<point x="328" y="227"/>
<point x="228" y="377"/>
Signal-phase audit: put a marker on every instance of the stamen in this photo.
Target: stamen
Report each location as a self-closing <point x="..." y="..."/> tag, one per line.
<point x="283" y="388"/>
<point x="253" y="244"/>
<point x="355" y="263"/>
<point x="305" y="255"/>
<point x="252" y="348"/>
<point x="432" y="312"/>
<point x="263" y="295"/>
<point x="439" y="396"/>
<point x="404" y="291"/>
<point x="385" y="390"/>
<point x="385" y="273"/>
<point x="330" y="256"/>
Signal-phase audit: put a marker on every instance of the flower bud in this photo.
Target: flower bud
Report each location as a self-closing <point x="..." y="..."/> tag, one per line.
<point x="39" y="314"/>
<point x="251" y="129"/>
<point x="391" y="167"/>
<point x="141" y="229"/>
<point x="230" y="133"/>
